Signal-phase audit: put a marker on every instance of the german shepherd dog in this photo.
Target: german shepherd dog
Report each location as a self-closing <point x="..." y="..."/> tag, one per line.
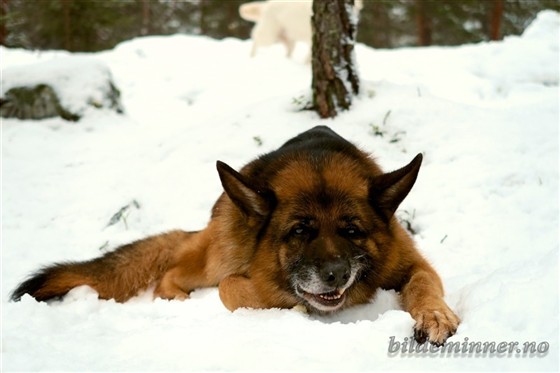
<point x="310" y="224"/>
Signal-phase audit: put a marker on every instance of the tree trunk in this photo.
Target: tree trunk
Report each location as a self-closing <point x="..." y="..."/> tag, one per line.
<point x="66" y="5"/>
<point x="496" y="19"/>
<point x="335" y="78"/>
<point x="423" y="23"/>
<point x="202" y="18"/>
<point x="4" y="18"/>
<point x="146" y="23"/>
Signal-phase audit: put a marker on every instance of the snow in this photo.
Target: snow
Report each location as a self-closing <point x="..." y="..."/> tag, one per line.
<point x="485" y="206"/>
<point x="76" y="90"/>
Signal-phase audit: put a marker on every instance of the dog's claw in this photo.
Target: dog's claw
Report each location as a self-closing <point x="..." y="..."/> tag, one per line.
<point x="419" y="336"/>
<point x="435" y="326"/>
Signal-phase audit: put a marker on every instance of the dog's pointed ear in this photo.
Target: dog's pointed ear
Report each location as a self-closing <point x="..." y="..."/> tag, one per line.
<point x="387" y="191"/>
<point x="250" y="200"/>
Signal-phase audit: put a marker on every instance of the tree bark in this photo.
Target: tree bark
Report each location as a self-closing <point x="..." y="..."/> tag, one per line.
<point x="496" y="19"/>
<point x="4" y="18"/>
<point x="146" y="23"/>
<point x="335" y="78"/>
<point x="423" y="23"/>
<point x="202" y="18"/>
<point x="66" y="5"/>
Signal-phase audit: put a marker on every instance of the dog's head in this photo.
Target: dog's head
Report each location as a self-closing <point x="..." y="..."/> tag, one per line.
<point x="323" y="219"/>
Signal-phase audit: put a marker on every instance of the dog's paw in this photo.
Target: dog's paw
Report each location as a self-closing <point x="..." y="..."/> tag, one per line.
<point x="435" y="325"/>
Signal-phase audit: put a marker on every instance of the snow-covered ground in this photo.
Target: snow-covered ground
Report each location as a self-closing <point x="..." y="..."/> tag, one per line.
<point x="485" y="206"/>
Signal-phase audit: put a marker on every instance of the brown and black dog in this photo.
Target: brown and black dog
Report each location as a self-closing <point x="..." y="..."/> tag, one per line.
<point x="310" y="224"/>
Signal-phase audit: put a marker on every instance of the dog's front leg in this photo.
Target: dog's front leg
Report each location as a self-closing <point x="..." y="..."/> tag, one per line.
<point x="422" y="297"/>
<point x="239" y="291"/>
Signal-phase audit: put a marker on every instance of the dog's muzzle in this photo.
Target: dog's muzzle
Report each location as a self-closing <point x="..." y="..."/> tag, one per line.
<point x="324" y="287"/>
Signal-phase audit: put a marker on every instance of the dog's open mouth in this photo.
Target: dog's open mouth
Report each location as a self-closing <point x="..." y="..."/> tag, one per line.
<point x="325" y="302"/>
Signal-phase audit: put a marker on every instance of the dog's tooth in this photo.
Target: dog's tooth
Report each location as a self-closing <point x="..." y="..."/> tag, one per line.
<point x="333" y="295"/>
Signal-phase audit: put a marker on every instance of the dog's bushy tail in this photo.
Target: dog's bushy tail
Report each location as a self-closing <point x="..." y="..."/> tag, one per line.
<point x="251" y="11"/>
<point x="119" y="274"/>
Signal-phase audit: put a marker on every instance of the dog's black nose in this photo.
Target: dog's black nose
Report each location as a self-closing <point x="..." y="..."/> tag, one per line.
<point x="335" y="273"/>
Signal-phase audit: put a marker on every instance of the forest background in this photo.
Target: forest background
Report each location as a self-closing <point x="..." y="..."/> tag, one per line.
<point x="90" y="25"/>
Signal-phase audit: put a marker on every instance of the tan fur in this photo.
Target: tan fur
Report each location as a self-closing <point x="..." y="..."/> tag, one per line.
<point x="253" y="247"/>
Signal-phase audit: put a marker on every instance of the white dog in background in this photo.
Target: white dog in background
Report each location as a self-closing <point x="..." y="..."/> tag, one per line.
<point x="281" y="21"/>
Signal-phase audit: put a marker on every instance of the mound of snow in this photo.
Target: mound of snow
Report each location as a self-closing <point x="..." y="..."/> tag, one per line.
<point x="545" y="24"/>
<point x="67" y="86"/>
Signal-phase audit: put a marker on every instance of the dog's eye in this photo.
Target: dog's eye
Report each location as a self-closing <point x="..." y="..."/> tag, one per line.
<point x="299" y="230"/>
<point x="351" y="231"/>
<point x="303" y="231"/>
